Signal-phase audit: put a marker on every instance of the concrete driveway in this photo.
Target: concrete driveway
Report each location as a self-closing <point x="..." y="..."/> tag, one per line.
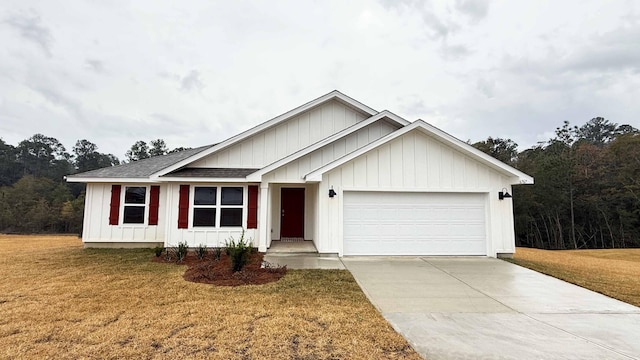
<point x="483" y="308"/>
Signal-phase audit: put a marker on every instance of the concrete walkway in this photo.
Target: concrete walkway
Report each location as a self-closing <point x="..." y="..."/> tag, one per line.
<point x="304" y="261"/>
<point x="483" y="308"/>
<point x="300" y="255"/>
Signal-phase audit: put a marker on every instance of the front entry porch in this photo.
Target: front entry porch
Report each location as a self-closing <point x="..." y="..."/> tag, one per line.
<point x="288" y="247"/>
<point x="290" y="213"/>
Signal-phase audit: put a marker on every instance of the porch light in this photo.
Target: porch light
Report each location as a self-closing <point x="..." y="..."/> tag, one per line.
<point x="504" y="194"/>
<point x="332" y="193"/>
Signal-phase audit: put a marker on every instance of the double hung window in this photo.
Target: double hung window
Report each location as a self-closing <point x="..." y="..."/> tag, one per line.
<point x="218" y="206"/>
<point x="135" y="204"/>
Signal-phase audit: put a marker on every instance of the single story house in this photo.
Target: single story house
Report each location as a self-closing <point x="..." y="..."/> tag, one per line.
<point x="334" y="171"/>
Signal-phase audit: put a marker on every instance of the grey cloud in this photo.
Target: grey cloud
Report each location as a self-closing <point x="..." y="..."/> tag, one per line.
<point x="163" y="118"/>
<point x="56" y="98"/>
<point x="476" y="10"/>
<point x="30" y="28"/>
<point x="414" y="106"/>
<point x="443" y="27"/>
<point x="438" y="28"/>
<point x="520" y="122"/>
<point x="169" y="76"/>
<point x="455" y="52"/>
<point x="486" y="87"/>
<point x="95" y="65"/>
<point x="610" y="52"/>
<point x="615" y="50"/>
<point x="192" y="82"/>
<point x="174" y="125"/>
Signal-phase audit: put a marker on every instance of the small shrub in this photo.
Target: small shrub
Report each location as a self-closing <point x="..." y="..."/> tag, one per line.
<point x="238" y="251"/>
<point x="181" y="251"/>
<point x="201" y="251"/>
<point x="217" y="253"/>
<point x="158" y="250"/>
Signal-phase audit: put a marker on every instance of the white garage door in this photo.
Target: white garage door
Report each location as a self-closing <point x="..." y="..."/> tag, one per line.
<point x="401" y="223"/>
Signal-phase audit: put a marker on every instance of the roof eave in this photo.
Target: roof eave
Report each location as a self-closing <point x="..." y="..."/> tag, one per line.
<point x="513" y="173"/>
<point x="273" y="122"/>
<point x="204" y="180"/>
<point x="257" y="176"/>
<point x="110" y="179"/>
<point x="473" y="152"/>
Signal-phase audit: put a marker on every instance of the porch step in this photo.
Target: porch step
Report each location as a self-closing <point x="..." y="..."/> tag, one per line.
<point x="304" y="261"/>
<point x="297" y="247"/>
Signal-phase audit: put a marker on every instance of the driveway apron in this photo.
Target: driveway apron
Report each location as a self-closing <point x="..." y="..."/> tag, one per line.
<point x="484" y="308"/>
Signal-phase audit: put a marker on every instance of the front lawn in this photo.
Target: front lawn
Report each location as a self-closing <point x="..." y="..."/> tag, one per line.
<point x="58" y="300"/>
<point x="613" y="272"/>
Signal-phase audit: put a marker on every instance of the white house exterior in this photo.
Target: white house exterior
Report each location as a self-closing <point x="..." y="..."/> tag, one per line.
<point x="400" y="188"/>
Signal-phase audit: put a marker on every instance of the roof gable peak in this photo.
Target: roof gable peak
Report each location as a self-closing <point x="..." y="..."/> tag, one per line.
<point x="434" y="132"/>
<point x="331" y="96"/>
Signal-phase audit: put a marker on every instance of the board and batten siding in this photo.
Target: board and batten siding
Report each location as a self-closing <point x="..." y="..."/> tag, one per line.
<point x="275" y="143"/>
<point x="96" y="228"/>
<point x="295" y="170"/>
<point x="196" y="236"/>
<point x="416" y="162"/>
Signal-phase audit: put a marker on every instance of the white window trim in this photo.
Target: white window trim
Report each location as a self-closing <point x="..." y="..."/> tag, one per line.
<point x="147" y="196"/>
<point x="218" y="206"/>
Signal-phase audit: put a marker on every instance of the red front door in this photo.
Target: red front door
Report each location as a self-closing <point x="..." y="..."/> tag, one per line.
<point x="292" y="213"/>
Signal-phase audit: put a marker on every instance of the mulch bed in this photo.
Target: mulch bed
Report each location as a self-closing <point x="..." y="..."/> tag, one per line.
<point x="210" y="270"/>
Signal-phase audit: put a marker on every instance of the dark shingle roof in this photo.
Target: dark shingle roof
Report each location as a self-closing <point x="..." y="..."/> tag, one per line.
<point x="141" y="168"/>
<point x="226" y="173"/>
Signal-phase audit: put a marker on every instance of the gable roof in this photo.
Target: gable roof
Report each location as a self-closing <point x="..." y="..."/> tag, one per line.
<point x="334" y="95"/>
<point x="420" y="125"/>
<point x="140" y="169"/>
<point x="385" y="114"/>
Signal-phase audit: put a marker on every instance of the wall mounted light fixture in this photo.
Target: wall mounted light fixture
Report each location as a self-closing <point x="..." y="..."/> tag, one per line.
<point x="332" y="193"/>
<point x="504" y="194"/>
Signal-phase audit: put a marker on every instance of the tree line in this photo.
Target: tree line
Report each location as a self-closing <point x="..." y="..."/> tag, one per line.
<point x="35" y="198"/>
<point x="586" y="192"/>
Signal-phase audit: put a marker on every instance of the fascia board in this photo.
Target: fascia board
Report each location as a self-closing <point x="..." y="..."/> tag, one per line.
<point x="475" y="153"/>
<point x="109" y="180"/>
<point x="316" y="175"/>
<point x="352" y="102"/>
<point x="273" y="122"/>
<point x="204" y="180"/>
<point x="401" y="121"/>
<point x="257" y="176"/>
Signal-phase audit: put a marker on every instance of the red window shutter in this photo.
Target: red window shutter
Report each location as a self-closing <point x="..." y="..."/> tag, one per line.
<point x="114" y="211"/>
<point x="154" y="204"/>
<point x="183" y="207"/>
<point x="252" y="216"/>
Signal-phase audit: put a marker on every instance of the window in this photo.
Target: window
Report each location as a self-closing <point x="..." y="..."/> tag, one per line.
<point x="135" y="203"/>
<point x="204" y="206"/>
<point x="217" y="206"/>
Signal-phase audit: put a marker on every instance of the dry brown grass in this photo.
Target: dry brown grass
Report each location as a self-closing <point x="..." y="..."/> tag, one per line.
<point x="613" y="272"/>
<point x="58" y="300"/>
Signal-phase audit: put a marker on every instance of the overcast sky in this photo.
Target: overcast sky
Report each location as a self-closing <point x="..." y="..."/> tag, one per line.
<point x="198" y="72"/>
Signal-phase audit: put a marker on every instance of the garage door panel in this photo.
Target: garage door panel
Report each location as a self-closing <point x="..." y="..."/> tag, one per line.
<point x="398" y="223"/>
